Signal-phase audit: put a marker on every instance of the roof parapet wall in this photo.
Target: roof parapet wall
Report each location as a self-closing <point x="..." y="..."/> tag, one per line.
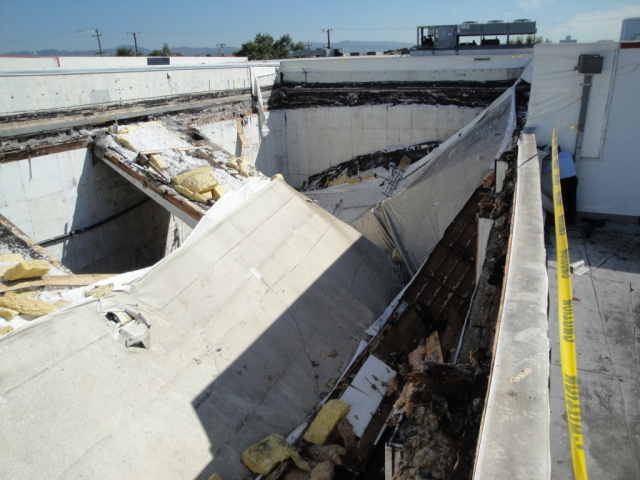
<point x="514" y="441"/>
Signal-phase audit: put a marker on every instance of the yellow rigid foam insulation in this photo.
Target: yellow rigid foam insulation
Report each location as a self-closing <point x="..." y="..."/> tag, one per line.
<point x="7" y="313"/>
<point x="27" y="269"/>
<point x="197" y="180"/>
<point x="35" y="308"/>
<point x="124" y="140"/>
<point x="11" y="257"/>
<point x="263" y="456"/>
<point x="242" y="165"/>
<point x="6" y="329"/>
<point x="326" y="421"/>
<point x="218" y="191"/>
<point x="158" y="161"/>
<point x="338" y="181"/>
<point x="196" y="197"/>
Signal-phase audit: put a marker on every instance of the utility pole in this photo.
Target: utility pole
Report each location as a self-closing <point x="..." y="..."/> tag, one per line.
<point x="97" y="35"/>
<point x="328" y="30"/>
<point x="221" y="45"/>
<point x="135" y="40"/>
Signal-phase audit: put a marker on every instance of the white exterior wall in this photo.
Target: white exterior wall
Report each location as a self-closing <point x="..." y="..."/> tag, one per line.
<point x="269" y="153"/>
<point x="609" y="167"/>
<point x="36" y="92"/>
<point x="405" y="69"/>
<point x="55" y="194"/>
<point x="47" y="63"/>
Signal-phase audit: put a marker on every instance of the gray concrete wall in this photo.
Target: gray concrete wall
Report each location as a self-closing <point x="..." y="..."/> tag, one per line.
<point x="53" y="195"/>
<point x="320" y="138"/>
<point x="303" y="142"/>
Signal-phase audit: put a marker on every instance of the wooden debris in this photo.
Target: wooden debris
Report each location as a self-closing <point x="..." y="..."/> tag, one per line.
<point x="345" y="431"/>
<point x="323" y="471"/>
<point x="54" y="281"/>
<point x="331" y="453"/>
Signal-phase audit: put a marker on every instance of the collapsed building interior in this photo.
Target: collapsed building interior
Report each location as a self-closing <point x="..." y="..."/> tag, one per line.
<point x="84" y="194"/>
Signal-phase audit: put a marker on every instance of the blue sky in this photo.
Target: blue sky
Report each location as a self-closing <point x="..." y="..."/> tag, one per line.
<point x="40" y="24"/>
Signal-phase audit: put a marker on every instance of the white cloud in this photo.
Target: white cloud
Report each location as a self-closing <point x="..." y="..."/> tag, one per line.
<point x="594" y="26"/>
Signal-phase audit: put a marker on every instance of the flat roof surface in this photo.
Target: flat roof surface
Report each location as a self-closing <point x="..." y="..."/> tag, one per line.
<point x="607" y="326"/>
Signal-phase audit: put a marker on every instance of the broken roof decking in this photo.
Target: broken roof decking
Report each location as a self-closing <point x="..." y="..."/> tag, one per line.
<point x="239" y="316"/>
<point x="439" y="184"/>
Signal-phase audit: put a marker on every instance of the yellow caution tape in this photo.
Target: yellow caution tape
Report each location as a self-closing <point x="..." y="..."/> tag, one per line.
<point x="565" y="314"/>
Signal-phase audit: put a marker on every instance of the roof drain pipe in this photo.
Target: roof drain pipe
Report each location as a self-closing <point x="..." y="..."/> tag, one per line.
<point x="587" y="65"/>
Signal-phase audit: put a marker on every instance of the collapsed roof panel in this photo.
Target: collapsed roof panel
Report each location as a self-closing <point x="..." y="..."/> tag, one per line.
<point x="240" y="320"/>
<point x="383" y="206"/>
<point x="440" y="185"/>
<point x="184" y="177"/>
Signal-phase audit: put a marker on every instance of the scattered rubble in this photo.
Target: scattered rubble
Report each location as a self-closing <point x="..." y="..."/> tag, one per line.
<point x="464" y="94"/>
<point x="373" y="166"/>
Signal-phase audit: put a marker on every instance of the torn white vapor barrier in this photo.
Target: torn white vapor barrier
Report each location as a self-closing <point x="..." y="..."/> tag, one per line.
<point x="440" y="183"/>
<point x="414" y="220"/>
<point x="235" y="356"/>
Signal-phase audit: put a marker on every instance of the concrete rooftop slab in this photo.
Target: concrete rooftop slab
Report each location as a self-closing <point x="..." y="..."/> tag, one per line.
<point x="607" y="325"/>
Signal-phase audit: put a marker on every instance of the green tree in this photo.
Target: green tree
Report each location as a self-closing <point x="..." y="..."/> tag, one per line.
<point x="165" y="52"/>
<point x="264" y="47"/>
<point x="124" y="52"/>
<point x="528" y="40"/>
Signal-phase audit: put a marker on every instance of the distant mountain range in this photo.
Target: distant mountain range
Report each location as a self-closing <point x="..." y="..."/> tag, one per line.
<point x="361" y="47"/>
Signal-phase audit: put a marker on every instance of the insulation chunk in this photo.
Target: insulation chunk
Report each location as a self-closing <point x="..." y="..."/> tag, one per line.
<point x="7" y="313"/>
<point x="158" y="161"/>
<point x="99" y="291"/>
<point x="242" y="165"/>
<point x="263" y="456"/>
<point x="218" y="191"/>
<point x="196" y="197"/>
<point x="326" y="420"/>
<point x="125" y="141"/>
<point x="6" y="329"/>
<point x="35" y="308"/>
<point x="11" y="257"/>
<point x="197" y="180"/>
<point x="27" y="269"/>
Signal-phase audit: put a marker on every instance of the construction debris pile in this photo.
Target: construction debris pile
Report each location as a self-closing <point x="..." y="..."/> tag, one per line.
<point x="411" y="396"/>
<point x="32" y="283"/>
<point x="380" y="165"/>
